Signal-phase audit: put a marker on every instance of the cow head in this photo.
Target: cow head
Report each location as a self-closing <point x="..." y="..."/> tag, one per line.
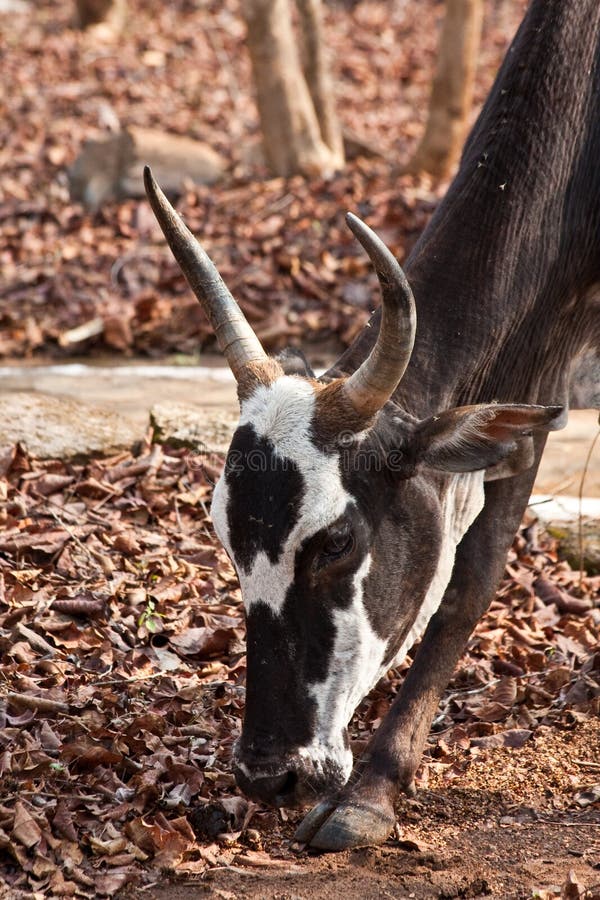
<point x="341" y="514"/>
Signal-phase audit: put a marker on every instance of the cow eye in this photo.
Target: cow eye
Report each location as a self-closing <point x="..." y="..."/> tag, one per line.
<point x="337" y="543"/>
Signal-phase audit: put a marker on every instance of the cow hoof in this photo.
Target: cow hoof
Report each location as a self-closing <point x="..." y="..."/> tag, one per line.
<point x="346" y="826"/>
<point x="311" y="822"/>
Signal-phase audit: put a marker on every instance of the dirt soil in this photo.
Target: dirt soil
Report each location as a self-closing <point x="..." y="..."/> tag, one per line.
<point x="122" y="637"/>
<point x="500" y="830"/>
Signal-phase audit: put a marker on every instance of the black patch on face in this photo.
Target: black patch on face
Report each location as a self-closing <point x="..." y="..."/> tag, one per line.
<point x="265" y="495"/>
<point x="285" y="653"/>
<point x="289" y="652"/>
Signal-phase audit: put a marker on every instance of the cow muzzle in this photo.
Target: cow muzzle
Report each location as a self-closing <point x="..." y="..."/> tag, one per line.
<point x="293" y="779"/>
<point x="280" y="789"/>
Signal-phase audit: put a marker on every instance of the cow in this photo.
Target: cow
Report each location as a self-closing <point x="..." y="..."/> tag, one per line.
<point x="372" y="508"/>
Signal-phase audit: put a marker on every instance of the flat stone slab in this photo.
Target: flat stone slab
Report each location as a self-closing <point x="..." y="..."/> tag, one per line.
<point x="579" y="541"/>
<point x="187" y="425"/>
<point x="564" y="508"/>
<point x="208" y="390"/>
<point x="14" y="6"/>
<point x="51" y="427"/>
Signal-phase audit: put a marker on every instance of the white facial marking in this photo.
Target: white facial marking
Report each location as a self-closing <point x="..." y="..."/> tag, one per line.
<point x="282" y="412"/>
<point x="354" y="667"/>
<point x="359" y="655"/>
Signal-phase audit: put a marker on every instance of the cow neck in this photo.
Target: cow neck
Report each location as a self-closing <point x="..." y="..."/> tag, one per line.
<point x="496" y="267"/>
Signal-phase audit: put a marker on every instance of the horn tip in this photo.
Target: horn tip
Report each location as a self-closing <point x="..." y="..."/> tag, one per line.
<point x="352" y="220"/>
<point x="154" y="192"/>
<point x="357" y="226"/>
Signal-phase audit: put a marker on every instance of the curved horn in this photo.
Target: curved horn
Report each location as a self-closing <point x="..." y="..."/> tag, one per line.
<point x="379" y="375"/>
<point x="235" y="337"/>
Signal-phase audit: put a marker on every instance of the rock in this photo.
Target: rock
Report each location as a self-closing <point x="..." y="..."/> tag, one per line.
<point x="111" y="168"/>
<point x="14" y="6"/>
<point x="356" y="146"/>
<point x="184" y="425"/>
<point x="567" y="534"/>
<point x="62" y="428"/>
<point x="560" y="517"/>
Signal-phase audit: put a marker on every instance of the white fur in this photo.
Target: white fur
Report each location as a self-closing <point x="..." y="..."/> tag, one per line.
<point x="354" y="667"/>
<point x="283" y="413"/>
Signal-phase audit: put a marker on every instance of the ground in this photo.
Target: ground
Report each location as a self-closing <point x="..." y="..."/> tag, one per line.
<point x="480" y="839"/>
<point x="122" y="636"/>
<point x="121" y="627"/>
<point x="82" y="281"/>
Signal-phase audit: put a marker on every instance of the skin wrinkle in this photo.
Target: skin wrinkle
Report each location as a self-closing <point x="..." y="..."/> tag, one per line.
<point x="462" y="502"/>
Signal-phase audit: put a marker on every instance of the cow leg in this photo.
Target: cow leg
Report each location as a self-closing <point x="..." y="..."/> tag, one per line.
<point x="364" y="811"/>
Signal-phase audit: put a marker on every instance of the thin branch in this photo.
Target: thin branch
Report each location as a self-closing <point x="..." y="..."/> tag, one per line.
<point x="581" y="483"/>
<point x="41" y="704"/>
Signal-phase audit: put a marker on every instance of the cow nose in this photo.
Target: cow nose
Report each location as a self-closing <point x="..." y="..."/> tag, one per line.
<point x="278" y="790"/>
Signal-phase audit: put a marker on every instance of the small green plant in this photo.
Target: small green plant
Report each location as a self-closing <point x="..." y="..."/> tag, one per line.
<point x="149" y="617"/>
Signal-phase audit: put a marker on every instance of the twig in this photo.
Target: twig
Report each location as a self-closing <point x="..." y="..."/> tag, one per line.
<point x="581" y="483"/>
<point x="149" y="463"/>
<point x="35" y="640"/>
<point x="541" y="821"/>
<point x="562" y="485"/>
<point x="44" y="508"/>
<point x="207" y="514"/>
<point x="274" y="207"/>
<point x="41" y="704"/>
<point x="72" y="534"/>
<point x="463" y="692"/>
<point x="587" y="764"/>
<point x="177" y="514"/>
<point x="129" y="680"/>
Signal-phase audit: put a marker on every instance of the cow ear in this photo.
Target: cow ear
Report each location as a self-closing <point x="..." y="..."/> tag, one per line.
<point x="294" y="362"/>
<point x="469" y="438"/>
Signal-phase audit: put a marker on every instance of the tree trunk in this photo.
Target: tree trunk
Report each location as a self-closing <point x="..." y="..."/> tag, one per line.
<point x="97" y="12"/>
<point x="452" y="91"/>
<point x="291" y="132"/>
<point x="317" y="75"/>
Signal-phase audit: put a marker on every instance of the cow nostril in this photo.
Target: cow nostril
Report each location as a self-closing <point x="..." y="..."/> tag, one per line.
<point x="289" y="785"/>
<point x="272" y="788"/>
<point x="277" y="785"/>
